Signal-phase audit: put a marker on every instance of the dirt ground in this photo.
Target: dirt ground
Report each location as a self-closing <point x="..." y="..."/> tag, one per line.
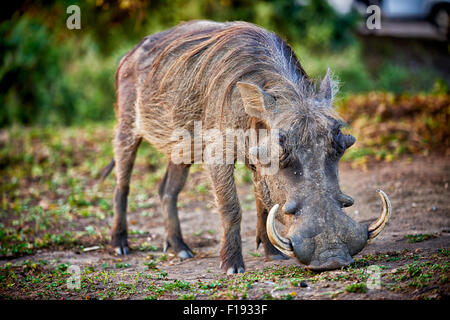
<point x="410" y="257"/>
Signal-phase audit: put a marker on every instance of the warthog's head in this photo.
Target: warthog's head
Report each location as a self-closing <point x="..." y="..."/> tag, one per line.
<point x="305" y="191"/>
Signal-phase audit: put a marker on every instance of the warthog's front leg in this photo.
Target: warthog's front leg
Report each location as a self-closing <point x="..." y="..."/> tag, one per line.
<point x="170" y="187"/>
<point x="222" y="177"/>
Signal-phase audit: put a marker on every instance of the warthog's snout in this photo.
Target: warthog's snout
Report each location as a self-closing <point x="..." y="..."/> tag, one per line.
<point x="321" y="244"/>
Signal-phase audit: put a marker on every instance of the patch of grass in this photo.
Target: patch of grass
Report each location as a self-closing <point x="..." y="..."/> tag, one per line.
<point x="267" y="296"/>
<point x="255" y="254"/>
<point x="414" y="269"/>
<point x="210" y="285"/>
<point x="419" y="275"/>
<point x="167" y="287"/>
<point x="151" y="264"/>
<point x="188" y="296"/>
<point x="145" y="246"/>
<point x="414" y="238"/>
<point x="176" y="285"/>
<point x="162" y="274"/>
<point x="369" y="259"/>
<point x="202" y="188"/>
<point x="356" y="288"/>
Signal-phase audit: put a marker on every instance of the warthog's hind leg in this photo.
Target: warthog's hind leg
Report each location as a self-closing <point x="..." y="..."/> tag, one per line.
<point x="171" y="185"/>
<point x="125" y="148"/>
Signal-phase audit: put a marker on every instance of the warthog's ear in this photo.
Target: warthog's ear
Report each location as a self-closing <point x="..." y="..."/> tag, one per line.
<point x="253" y="99"/>
<point x="326" y="89"/>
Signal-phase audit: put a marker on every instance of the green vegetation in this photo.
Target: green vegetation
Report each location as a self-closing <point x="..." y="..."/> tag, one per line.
<point x="48" y="279"/>
<point x="388" y="125"/>
<point x="49" y="197"/>
<point x="420" y="275"/>
<point x="356" y="288"/>
<point x="413" y="238"/>
<point x="52" y="75"/>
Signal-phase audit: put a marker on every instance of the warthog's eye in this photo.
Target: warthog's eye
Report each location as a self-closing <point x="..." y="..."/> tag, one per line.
<point x="285" y="155"/>
<point x="341" y="142"/>
<point x="338" y="144"/>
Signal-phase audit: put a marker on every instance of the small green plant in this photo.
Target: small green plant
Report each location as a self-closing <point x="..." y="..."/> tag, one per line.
<point x="414" y="269"/>
<point x="150" y="264"/>
<point x="413" y="238"/>
<point x="162" y="274"/>
<point x="201" y="188"/>
<point x="356" y="288"/>
<point x="255" y="254"/>
<point x="188" y="296"/>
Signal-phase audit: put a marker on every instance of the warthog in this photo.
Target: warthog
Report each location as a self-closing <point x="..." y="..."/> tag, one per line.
<point x="238" y="76"/>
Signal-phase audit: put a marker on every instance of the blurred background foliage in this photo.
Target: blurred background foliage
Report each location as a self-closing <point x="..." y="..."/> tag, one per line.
<point x="52" y="75"/>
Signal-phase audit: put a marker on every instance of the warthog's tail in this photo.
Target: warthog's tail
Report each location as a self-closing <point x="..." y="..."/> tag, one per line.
<point x="106" y="171"/>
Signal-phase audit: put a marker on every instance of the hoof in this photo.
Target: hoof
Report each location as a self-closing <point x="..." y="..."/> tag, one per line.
<point x="233" y="267"/>
<point x="122" y="251"/>
<point x="234" y="270"/>
<point x="119" y="241"/>
<point x="181" y="249"/>
<point x="185" y="254"/>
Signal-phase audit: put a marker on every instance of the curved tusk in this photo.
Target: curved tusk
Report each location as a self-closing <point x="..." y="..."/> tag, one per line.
<point x="376" y="227"/>
<point x="280" y="242"/>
